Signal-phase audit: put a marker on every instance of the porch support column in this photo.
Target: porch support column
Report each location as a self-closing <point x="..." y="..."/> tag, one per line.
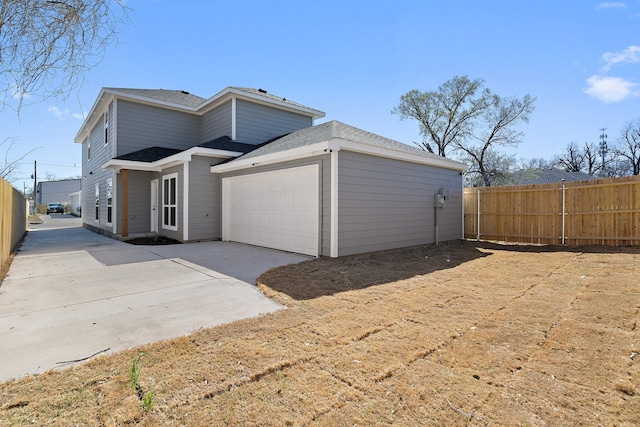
<point x="125" y="202"/>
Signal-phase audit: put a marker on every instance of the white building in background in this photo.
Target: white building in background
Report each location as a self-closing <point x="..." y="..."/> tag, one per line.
<point x="57" y="191"/>
<point x="75" y="200"/>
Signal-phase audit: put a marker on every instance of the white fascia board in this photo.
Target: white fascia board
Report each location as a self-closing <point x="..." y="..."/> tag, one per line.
<point x="174" y="160"/>
<point x="358" y="147"/>
<point x="104" y="98"/>
<point x="107" y="95"/>
<point x="336" y="144"/>
<point x="151" y="101"/>
<point x="266" y="159"/>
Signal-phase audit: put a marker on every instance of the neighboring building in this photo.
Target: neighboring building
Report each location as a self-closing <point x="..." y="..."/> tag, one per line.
<point x="76" y="206"/>
<point x="251" y="167"/>
<point x="547" y="176"/>
<point x="57" y="191"/>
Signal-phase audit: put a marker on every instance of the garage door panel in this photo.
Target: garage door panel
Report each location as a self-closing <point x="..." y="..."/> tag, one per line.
<point x="278" y="209"/>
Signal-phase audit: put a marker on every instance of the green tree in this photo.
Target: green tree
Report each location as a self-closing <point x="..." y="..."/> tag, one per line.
<point x="464" y="119"/>
<point x="447" y="115"/>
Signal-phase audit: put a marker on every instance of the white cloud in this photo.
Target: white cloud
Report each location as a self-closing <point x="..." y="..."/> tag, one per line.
<point x="611" y="5"/>
<point x="629" y="55"/>
<point x="610" y="89"/>
<point x="64" y="114"/>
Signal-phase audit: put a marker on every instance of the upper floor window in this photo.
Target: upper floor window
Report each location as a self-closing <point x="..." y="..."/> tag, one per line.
<point x="106" y="127"/>
<point x="89" y="148"/>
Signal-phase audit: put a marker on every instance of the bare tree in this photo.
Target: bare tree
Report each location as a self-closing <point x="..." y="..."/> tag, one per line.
<point x="573" y="158"/>
<point x="496" y="168"/>
<point x="8" y="167"/>
<point x="498" y="129"/>
<point x="536" y="163"/>
<point x="592" y="159"/>
<point x="447" y="115"/>
<point x="584" y="159"/>
<point x="628" y="147"/>
<point x="47" y="45"/>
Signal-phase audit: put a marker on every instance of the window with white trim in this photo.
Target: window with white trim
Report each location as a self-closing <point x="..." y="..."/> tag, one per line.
<point x="109" y="200"/>
<point x="97" y="216"/>
<point x="89" y="148"/>
<point x="170" y="201"/>
<point x="106" y="127"/>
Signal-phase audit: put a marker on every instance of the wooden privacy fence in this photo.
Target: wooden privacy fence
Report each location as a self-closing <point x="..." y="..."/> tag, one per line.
<point x="598" y="212"/>
<point x="13" y="219"/>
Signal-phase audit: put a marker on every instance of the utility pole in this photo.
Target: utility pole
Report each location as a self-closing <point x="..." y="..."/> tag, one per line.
<point x="35" y="198"/>
<point x="603" y="148"/>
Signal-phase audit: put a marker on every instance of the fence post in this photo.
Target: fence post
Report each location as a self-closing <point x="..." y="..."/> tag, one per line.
<point x="478" y="227"/>
<point x="563" y="211"/>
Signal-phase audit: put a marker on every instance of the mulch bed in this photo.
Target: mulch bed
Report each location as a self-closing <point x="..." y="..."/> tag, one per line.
<point x="153" y="240"/>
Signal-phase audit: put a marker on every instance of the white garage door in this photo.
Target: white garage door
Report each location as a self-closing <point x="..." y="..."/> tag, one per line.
<point x="278" y="209"/>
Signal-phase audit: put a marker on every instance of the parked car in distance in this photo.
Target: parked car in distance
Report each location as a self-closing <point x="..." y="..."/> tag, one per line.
<point x="55" y="208"/>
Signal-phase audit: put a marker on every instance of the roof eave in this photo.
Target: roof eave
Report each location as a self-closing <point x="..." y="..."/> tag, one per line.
<point x="336" y="144"/>
<point x="229" y="92"/>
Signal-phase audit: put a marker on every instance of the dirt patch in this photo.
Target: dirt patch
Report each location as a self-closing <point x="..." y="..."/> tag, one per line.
<point x="153" y="240"/>
<point x="460" y="334"/>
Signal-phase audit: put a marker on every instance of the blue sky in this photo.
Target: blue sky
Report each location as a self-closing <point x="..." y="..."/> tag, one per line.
<point x="354" y="59"/>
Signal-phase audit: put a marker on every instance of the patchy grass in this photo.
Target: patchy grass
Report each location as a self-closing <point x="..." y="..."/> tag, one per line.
<point x="460" y="334"/>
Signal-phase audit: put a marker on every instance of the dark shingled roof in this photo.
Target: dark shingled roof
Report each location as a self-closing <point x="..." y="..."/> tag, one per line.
<point x="227" y="144"/>
<point x="150" y="154"/>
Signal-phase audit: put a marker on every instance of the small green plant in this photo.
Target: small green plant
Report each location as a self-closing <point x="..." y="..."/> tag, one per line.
<point x="134" y="373"/>
<point x="147" y="400"/>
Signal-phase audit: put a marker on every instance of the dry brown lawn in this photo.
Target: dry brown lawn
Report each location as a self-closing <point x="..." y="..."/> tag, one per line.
<point x="464" y="333"/>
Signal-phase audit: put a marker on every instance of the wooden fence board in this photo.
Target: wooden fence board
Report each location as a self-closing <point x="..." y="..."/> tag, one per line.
<point x="13" y="219"/>
<point x="598" y="212"/>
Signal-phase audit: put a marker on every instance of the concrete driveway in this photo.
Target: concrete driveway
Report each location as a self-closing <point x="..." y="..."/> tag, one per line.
<point x="71" y="294"/>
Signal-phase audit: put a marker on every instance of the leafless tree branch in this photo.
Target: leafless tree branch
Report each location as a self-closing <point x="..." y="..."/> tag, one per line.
<point x="47" y="45"/>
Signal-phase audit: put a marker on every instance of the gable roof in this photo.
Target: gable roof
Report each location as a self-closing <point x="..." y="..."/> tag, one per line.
<point x="331" y="130"/>
<point x="547" y="176"/>
<point x="328" y="137"/>
<point x="184" y="101"/>
<point x="263" y="93"/>
<point x="179" y="97"/>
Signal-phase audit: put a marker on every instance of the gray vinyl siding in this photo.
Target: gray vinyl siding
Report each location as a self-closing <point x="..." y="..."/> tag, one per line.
<point x="204" y="199"/>
<point x="325" y="248"/>
<point x="141" y="126"/>
<point x="386" y="204"/>
<point x="178" y="234"/>
<point x="324" y="162"/>
<point x="217" y="123"/>
<point x="257" y="123"/>
<point x="92" y="172"/>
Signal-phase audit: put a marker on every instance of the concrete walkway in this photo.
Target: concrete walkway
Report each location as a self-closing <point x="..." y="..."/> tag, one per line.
<point x="71" y="293"/>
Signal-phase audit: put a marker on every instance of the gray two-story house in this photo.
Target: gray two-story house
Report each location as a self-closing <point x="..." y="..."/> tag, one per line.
<point x="248" y="166"/>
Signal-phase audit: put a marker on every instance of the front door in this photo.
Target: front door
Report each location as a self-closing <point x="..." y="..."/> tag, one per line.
<point x="154" y="205"/>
